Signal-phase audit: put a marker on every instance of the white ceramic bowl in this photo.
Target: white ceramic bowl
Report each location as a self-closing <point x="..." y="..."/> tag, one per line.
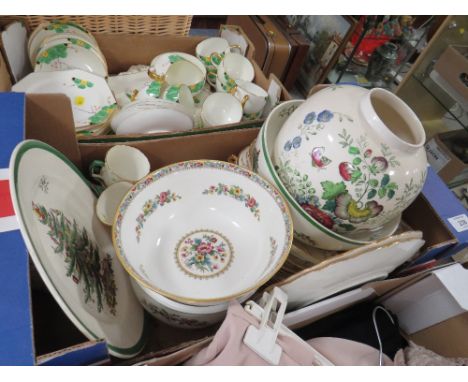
<point x="306" y="229"/>
<point x="217" y="240"/>
<point x="353" y="158"/>
<point x="221" y="109"/>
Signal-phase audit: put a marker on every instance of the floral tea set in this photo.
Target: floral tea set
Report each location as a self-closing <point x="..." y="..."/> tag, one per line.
<point x="335" y="172"/>
<point x="172" y="94"/>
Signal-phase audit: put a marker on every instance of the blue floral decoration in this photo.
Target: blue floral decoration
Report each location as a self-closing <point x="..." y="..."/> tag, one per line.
<point x="287" y="146"/>
<point x="296" y="142"/>
<point x="325" y="116"/>
<point x="309" y="118"/>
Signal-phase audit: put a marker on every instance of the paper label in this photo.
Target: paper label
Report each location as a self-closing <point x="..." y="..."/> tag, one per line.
<point x="436" y="157"/>
<point x="459" y="222"/>
<point x="274" y="95"/>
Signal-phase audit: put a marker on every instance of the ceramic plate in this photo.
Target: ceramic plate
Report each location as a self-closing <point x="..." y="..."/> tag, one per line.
<point x="71" y="248"/>
<point x="54" y="28"/>
<point x="202" y="232"/>
<point x="69" y="53"/>
<point x="124" y="84"/>
<point x="91" y="99"/>
<point x="152" y="116"/>
<point x="370" y="262"/>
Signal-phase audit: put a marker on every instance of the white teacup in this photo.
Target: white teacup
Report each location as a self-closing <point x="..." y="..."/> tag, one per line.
<point x="221" y="109"/>
<point x="234" y="67"/>
<point x="211" y="52"/>
<point x="122" y="164"/>
<point x="252" y="97"/>
<point x="109" y="201"/>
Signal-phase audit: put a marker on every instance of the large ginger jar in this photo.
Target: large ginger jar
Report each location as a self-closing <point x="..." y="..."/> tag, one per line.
<point x="353" y="158"/>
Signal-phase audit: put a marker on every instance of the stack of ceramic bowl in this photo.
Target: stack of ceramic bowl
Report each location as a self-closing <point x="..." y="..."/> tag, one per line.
<point x="190" y="250"/>
<point x="61" y="45"/>
<point x="67" y="60"/>
<point x="348" y="161"/>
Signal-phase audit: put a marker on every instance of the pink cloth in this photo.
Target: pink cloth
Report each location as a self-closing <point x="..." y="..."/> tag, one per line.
<point x="227" y="347"/>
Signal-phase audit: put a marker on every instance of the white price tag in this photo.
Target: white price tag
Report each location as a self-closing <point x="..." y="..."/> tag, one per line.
<point x="459" y="222"/>
<point x="436" y="157"/>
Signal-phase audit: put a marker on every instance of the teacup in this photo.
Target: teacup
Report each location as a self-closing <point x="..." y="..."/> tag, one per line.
<point x="109" y="201"/>
<point x="221" y="109"/>
<point x="211" y="52"/>
<point x="234" y="67"/>
<point x="122" y="164"/>
<point x="253" y="98"/>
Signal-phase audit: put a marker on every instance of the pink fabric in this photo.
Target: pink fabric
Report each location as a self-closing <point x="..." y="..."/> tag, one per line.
<point x="227" y="347"/>
<point x="348" y="353"/>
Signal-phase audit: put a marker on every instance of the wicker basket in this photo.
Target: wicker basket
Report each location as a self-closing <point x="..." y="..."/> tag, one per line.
<point x="157" y="25"/>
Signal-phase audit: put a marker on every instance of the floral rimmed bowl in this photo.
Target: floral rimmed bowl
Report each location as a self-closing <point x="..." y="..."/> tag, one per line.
<point x="217" y="240"/>
<point x="306" y="228"/>
<point x="352" y="158"/>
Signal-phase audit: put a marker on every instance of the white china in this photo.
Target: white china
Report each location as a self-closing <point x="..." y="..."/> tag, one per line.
<point x="211" y="52"/>
<point x="221" y="109"/>
<point x="252" y="97"/>
<point x="72" y="250"/>
<point x="109" y="201"/>
<point x="54" y="28"/>
<point x="70" y="53"/>
<point x="350" y="269"/>
<point x="177" y="314"/>
<point x="232" y="68"/>
<point x="161" y="64"/>
<point x="150" y="116"/>
<point x="126" y="85"/>
<point x="122" y="164"/>
<point x="91" y="99"/>
<point x="219" y="239"/>
<point x="306" y="229"/>
<point x="362" y="153"/>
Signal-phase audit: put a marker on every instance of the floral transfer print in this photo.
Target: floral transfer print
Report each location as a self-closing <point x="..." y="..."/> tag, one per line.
<point x="315" y="121"/>
<point x="334" y="207"/>
<point x="102" y="115"/>
<point x="237" y="193"/>
<point x="85" y="265"/>
<point x="150" y="206"/>
<point x="204" y="254"/>
<point x="53" y="53"/>
<point x="82" y="84"/>
<point x="44" y="184"/>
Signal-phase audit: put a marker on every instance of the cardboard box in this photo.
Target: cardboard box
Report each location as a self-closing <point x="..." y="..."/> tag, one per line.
<point x="124" y="50"/>
<point x="442" y="157"/>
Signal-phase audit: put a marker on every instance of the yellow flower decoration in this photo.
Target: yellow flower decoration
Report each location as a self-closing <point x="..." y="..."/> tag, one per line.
<point x="79" y="100"/>
<point x="199" y="258"/>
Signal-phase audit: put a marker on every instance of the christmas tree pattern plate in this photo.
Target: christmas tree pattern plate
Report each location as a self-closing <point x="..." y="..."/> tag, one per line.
<point x="350" y="269"/>
<point x="72" y="250"/>
<point x="91" y="98"/>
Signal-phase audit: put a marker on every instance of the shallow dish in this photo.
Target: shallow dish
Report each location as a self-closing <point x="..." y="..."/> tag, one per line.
<point x="91" y="99"/>
<point x="70" y="53"/>
<point x="219" y="239"/>
<point x="54" y="28"/>
<point x="350" y="269"/>
<point x="152" y="116"/>
<point x="72" y="250"/>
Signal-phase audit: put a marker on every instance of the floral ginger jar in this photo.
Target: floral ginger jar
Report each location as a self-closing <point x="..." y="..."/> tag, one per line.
<point x="353" y="158"/>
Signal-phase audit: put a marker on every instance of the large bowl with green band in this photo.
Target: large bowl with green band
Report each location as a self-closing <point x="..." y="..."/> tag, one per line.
<point x="306" y="229"/>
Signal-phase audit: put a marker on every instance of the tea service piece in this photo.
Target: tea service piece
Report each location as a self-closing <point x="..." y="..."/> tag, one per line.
<point x="71" y="250"/>
<point x="121" y="164"/>
<point x="252" y="97"/>
<point x="211" y="52"/>
<point x="221" y="109"/>
<point x="160" y="65"/>
<point x="219" y="239"/>
<point x="69" y="53"/>
<point x="55" y="28"/>
<point x="307" y="229"/>
<point x="363" y="155"/>
<point x="152" y="115"/>
<point x="127" y="85"/>
<point x="348" y="270"/>
<point x="91" y="99"/>
<point x="109" y="201"/>
<point x="232" y="68"/>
